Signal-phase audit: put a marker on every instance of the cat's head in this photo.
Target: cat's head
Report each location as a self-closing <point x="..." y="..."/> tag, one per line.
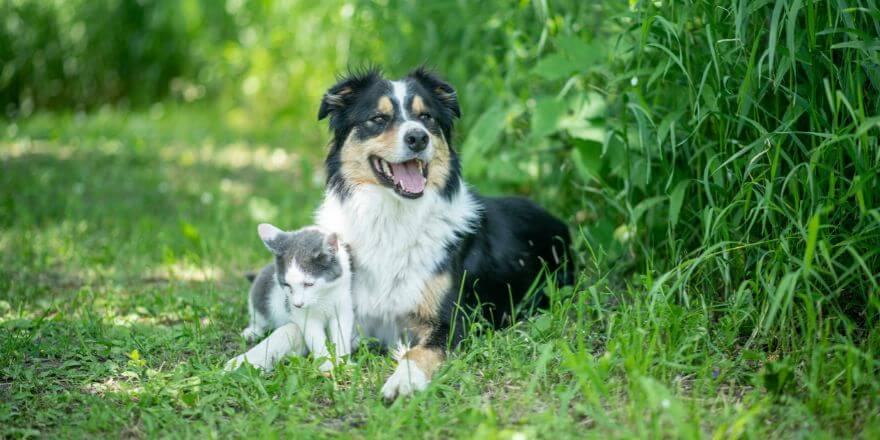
<point x="306" y="261"/>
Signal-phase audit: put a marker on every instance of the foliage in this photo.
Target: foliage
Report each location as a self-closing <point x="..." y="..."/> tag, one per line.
<point x="719" y="163"/>
<point x="82" y="53"/>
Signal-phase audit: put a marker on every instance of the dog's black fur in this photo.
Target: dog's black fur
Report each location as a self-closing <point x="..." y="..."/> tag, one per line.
<point x="514" y="239"/>
<point x="462" y="252"/>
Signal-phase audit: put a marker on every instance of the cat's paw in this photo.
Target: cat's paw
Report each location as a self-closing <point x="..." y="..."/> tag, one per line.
<point x="236" y="362"/>
<point x="251" y="334"/>
<point x="326" y="367"/>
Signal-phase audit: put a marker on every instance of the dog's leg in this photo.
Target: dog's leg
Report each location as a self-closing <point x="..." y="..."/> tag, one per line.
<point x="418" y="364"/>
<point x="414" y="371"/>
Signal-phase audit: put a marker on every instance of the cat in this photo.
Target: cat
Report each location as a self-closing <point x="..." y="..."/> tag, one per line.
<point x="303" y="296"/>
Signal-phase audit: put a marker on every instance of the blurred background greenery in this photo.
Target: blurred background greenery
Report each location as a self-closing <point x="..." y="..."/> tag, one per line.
<point x="714" y="155"/>
<point x="760" y="115"/>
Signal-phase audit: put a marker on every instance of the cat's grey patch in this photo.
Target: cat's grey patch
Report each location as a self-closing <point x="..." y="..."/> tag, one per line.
<point x="281" y="269"/>
<point x="261" y="288"/>
<point x="308" y="248"/>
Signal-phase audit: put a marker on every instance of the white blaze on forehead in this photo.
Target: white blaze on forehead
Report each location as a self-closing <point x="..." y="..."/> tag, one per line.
<point x="399" y="88"/>
<point x="295" y="275"/>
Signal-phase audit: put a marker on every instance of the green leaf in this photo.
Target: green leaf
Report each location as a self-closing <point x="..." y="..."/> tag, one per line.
<point x="555" y="66"/>
<point x="545" y="118"/>
<point x="676" y="198"/>
<point x="483" y="136"/>
<point x="780" y="300"/>
<point x="644" y="206"/>
<point x="543" y="323"/>
<point x="574" y="55"/>
<point x="812" y="236"/>
<point x="868" y="124"/>
<point x="587" y="158"/>
<point x="582" y="54"/>
<point x="870" y="45"/>
<point x="666" y="125"/>
<point x="191" y="233"/>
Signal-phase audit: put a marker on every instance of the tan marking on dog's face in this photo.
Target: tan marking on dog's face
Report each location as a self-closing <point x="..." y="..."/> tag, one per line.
<point x="385" y="106"/>
<point x="355" y="164"/>
<point x="438" y="170"/>
<point x="428" y="359"/>
<point x="418" y="106"/>
<point x="433" y="293"/>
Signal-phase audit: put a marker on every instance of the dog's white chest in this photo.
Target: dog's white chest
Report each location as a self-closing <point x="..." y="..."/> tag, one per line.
<point x="397" y="246"/>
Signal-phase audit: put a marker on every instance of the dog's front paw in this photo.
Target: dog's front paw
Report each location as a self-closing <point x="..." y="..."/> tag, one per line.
<point x="407" y="379"/>
<point x="239" y="360"/>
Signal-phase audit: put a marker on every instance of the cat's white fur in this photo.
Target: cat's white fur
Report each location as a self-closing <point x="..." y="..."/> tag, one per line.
<point x="327" y="309"/>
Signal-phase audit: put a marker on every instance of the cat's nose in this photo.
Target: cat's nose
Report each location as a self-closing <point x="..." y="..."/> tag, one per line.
<point x="298" y="304"/>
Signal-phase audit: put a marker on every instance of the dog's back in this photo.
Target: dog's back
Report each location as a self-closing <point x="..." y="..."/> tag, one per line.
<point x="514" y="243"/>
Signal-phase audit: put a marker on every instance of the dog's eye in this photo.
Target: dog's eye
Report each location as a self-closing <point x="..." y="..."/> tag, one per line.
<point x="426" y="117"/>
<point x="379" y="119"/>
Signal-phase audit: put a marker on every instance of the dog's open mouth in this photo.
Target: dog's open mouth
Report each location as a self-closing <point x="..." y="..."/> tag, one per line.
<point x="406" y="178"/>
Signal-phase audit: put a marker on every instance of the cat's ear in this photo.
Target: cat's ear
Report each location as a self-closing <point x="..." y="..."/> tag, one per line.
<point x="271" y="237"/>
<point x="331" y="243"/>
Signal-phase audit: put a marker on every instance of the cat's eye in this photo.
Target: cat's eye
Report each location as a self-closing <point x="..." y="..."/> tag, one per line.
<point x="287" y="286"/>
<point x="308" y="284"/>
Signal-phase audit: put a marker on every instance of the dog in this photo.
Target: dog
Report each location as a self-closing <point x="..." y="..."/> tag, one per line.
<point x="426" y="249"/>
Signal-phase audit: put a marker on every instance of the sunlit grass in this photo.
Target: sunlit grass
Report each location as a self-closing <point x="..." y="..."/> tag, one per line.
<point x="718" y="164"/>
<point x="123" y="293"/>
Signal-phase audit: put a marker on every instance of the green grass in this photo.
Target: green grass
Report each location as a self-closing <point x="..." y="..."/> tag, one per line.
<point x="123" y="243"/>
<point x="718" y="163"/>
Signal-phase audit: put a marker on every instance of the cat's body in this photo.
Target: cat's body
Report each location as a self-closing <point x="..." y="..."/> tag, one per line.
<point x="304" y="297"/>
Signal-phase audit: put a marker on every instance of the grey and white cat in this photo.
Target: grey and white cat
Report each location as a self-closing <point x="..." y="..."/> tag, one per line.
<point x="304" y="296"/>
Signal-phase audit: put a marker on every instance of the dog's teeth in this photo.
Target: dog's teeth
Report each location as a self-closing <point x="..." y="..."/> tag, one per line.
<point x="420" y="166"/>
<point x="387" y="168"/>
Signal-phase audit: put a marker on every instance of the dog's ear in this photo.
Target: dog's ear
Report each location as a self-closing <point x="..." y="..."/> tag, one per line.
<point x="444" y="92"/>
<point x="272" y="237"/>
<point x="343" y="93"/>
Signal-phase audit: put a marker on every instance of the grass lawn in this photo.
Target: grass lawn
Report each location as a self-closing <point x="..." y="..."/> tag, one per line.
<point x="123" y="240"/>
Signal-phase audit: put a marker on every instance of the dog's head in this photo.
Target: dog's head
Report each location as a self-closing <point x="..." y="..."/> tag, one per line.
<point x="395" y="134"/>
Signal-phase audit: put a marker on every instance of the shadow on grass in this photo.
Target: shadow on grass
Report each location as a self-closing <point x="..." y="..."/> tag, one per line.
<point x="76" y="216"/>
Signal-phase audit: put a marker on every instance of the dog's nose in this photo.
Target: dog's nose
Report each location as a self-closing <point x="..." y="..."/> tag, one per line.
<point x="416" y="139"/>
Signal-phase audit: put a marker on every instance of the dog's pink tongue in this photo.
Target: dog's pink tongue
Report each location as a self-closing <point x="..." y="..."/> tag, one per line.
<point x="407" y="174"/>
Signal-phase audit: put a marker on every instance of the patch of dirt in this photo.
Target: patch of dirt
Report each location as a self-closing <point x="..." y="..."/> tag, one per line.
<point x="344" y="422"/>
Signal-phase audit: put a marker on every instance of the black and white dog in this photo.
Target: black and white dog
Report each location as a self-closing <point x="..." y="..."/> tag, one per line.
<point x="425" y="248"/>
